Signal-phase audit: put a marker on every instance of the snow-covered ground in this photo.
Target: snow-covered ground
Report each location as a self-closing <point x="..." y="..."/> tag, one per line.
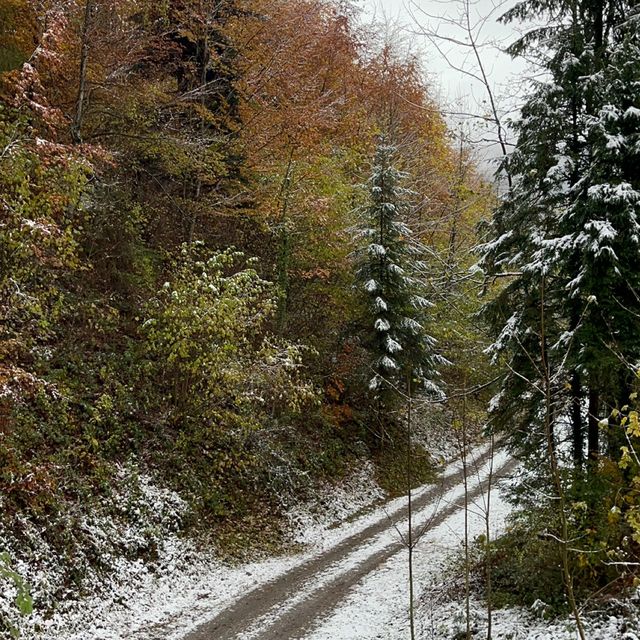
<point x="187" y="584"/>
<point x="334" y="504"/>
<point x="447" y="622"/>
<point x="187" y="587"/>
<point x="378" y="606"/>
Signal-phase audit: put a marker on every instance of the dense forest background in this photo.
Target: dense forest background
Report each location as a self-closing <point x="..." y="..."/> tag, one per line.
<point x="180" y="185"/>
<point x="184" y="189"/>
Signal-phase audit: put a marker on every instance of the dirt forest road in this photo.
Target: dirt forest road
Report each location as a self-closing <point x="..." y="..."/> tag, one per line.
<point x="299" y="603"/>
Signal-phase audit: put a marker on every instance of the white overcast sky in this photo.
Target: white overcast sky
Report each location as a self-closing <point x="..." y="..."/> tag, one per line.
<point x="456" y="91"/>
<point x="410" y="17"/>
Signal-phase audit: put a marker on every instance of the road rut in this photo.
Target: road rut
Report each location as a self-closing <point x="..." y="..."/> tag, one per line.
<point x="289" y="606"/>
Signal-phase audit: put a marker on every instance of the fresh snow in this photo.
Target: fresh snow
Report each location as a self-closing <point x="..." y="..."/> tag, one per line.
<point x="377" y="607"/>
<point x="188" y="587"/>
<point x="370" y="285"/>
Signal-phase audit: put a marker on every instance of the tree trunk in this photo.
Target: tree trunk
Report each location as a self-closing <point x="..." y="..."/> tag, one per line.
<point x="78" y="116"/>
<point x="487" y="524"/>
<point x="576" y="421"/>
<point x="410" y="511"/>
<point x="556" y="473"/>
<point x="593" y="433"/>
<point x="467" y="560"/>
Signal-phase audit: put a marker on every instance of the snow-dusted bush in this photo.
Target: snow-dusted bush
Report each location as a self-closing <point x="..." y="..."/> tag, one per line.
<point x="85" y="549"/>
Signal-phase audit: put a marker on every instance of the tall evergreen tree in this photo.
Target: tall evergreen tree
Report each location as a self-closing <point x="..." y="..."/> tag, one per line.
<point x="390" y="274"/>
<point x="568" y="229"/>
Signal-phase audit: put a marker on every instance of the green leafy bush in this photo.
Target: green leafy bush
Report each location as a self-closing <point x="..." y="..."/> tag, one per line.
<point x="22" y="597"/>
<point x="221" y="376"/>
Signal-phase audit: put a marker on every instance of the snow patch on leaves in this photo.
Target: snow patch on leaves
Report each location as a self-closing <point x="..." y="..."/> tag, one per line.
<point x="333" y="503"/>
<point x="109" y="543"/>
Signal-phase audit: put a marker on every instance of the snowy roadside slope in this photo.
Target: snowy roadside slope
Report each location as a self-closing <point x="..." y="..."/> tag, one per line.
<point x="142" y="600"/>
<point x="288" y="607"/>
<point x="188" y="586"/>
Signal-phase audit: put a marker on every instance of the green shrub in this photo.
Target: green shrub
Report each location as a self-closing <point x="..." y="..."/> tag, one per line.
<point x="391" y="468"/>
<point x="23" y="601"/>
<point x="220" y="376"/>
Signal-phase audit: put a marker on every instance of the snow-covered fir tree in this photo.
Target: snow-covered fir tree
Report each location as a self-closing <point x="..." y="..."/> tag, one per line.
<point x="602" y="231"/>
<point x="569" y="228"/>
<point x="390" y="274"/>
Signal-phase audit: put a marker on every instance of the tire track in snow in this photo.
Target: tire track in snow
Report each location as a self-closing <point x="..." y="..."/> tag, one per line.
<point x="303" y="617"/>
<point x="376" y="606"/>
<point x="284" y="608"/>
